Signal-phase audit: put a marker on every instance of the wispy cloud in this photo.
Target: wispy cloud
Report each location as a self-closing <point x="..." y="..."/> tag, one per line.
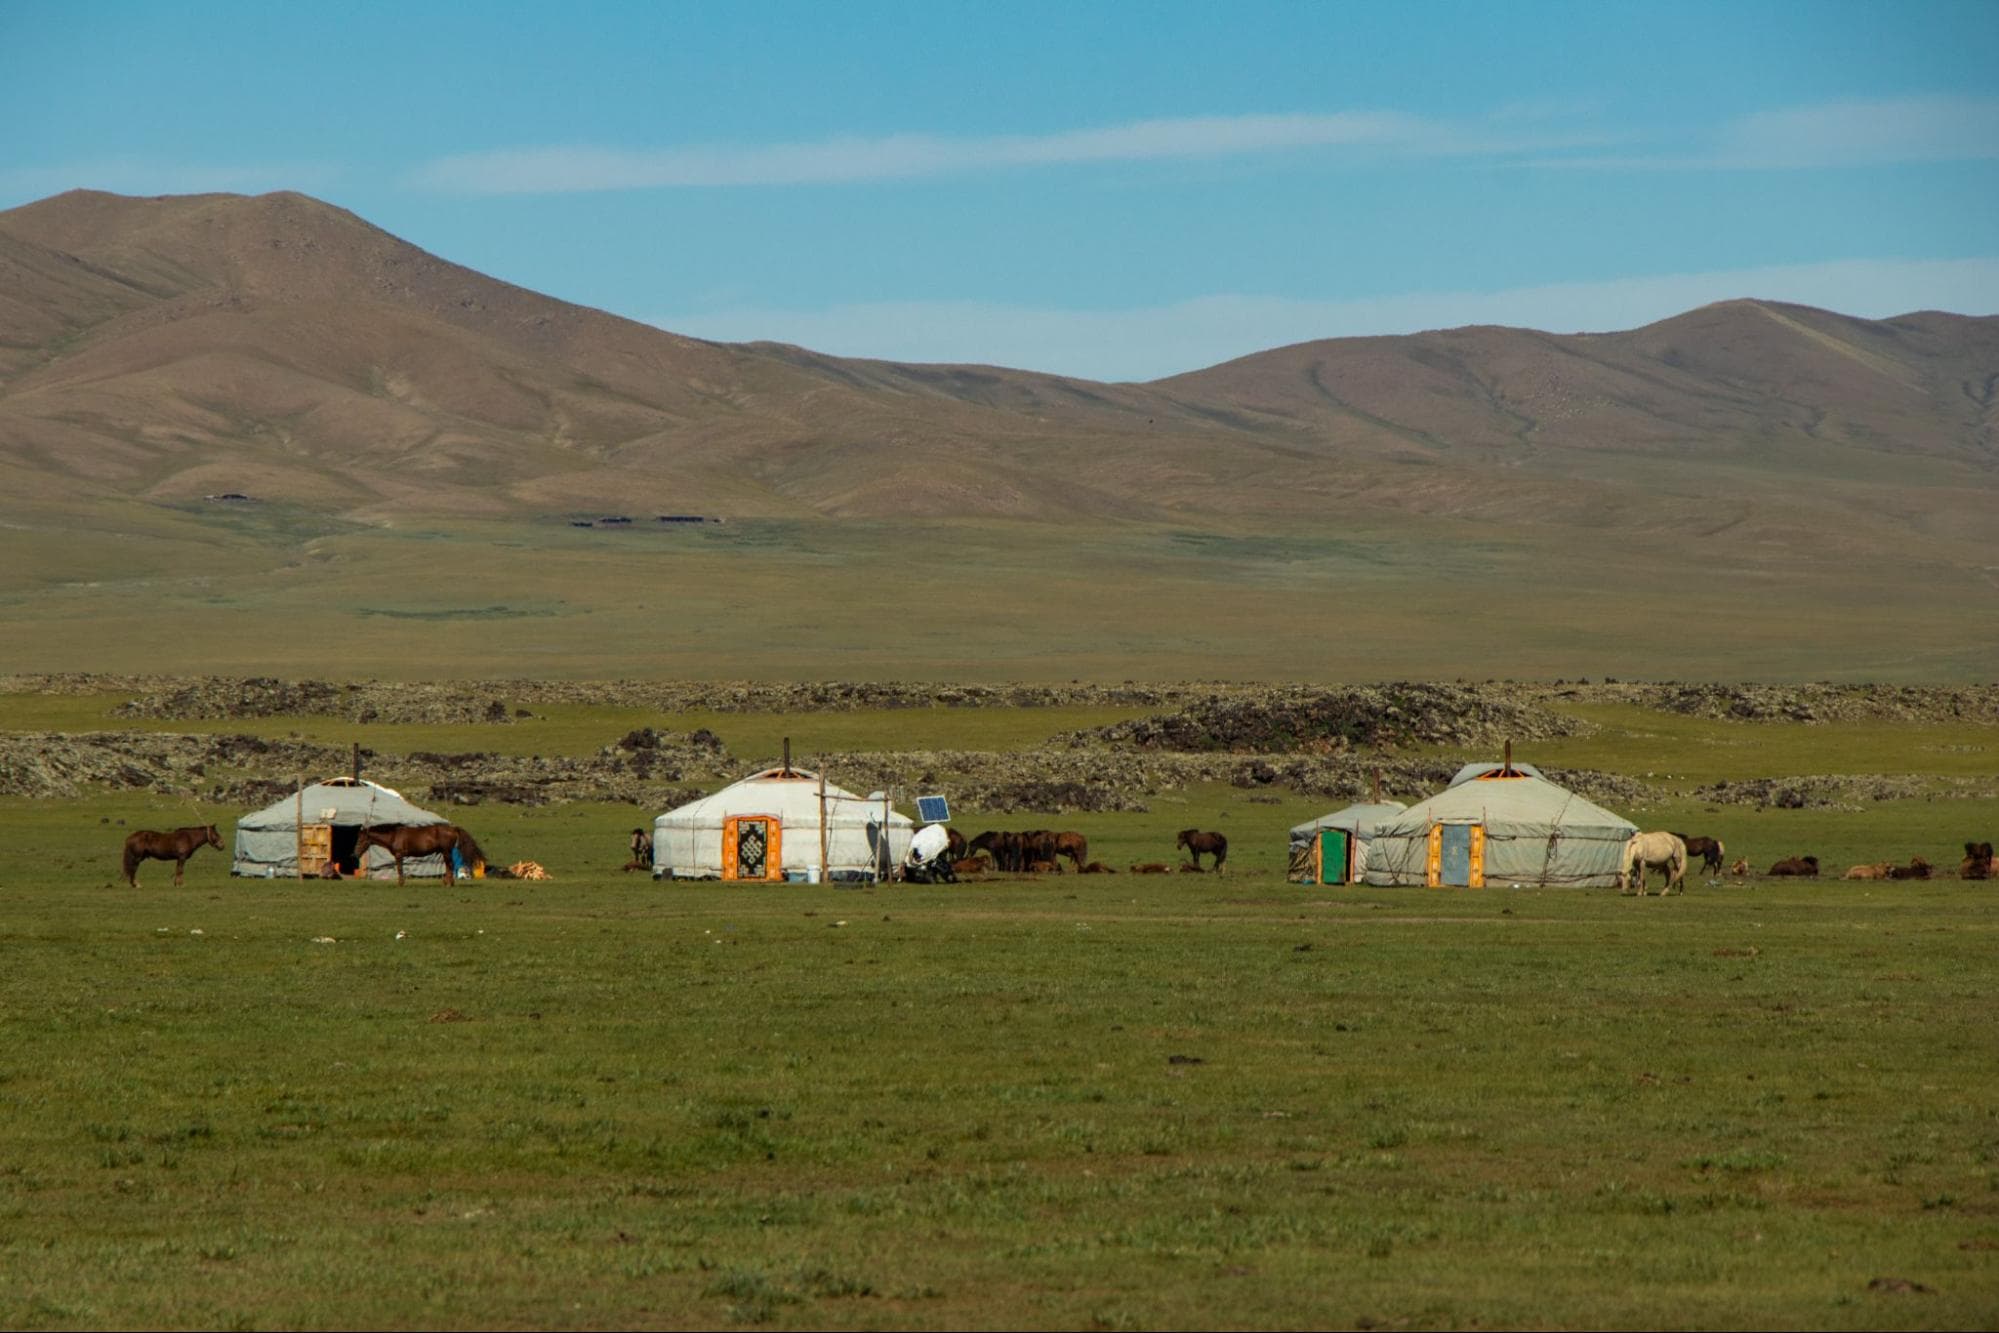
<point x="1151" y="342"/>
<point x="139" y="175"/>
<point x="1855" y="133"/>
<point x="901" y="156"/>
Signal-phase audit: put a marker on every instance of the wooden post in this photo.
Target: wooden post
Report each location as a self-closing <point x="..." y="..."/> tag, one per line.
<point x="1507" y="769"/>
<point x="298" y="831"/>
<point x="356" y="775"/>
<point x="824" y="832"/>
<point x="787" y="756"/>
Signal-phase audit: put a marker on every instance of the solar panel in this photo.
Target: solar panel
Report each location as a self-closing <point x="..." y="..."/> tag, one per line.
<point x="933" y="809"/>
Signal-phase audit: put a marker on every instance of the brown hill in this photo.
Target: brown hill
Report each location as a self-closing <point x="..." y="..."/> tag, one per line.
<point x="277" y="345"/>
<point x="1723" y="377"/>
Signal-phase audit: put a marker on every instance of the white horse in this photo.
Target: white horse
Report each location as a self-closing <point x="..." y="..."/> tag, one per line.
<point x="1647" y="850"/>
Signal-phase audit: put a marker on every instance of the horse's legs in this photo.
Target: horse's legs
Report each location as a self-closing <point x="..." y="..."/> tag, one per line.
<point x="179" y="867"/>
<point x="399" y="870"/>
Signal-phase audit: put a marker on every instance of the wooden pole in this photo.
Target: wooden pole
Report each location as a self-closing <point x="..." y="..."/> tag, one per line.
<point x="298" y="831"/>
<point x="357" y="761"/>
<point x="823" y="831"/>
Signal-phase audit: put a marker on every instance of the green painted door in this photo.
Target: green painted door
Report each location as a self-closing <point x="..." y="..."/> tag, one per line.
<point x="1332" y="856"/>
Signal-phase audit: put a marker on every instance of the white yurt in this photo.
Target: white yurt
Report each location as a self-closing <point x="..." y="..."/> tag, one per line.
<point x="1332" y="849"/>
<point x="318" y="824"/>
<point x="768" y="827"/>
<point x="1500" y="824"/>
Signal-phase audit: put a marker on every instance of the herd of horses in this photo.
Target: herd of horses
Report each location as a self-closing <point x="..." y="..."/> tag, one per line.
<point x="1669" y="853"/>
<point x="402" y="841"/>
<point x="1040" y="852"/>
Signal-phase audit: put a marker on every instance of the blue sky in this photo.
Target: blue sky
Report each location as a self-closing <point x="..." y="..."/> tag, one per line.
<point x="1119" y="191"/>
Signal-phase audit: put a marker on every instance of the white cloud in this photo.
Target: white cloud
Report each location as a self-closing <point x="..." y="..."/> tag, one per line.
<point x="1156" y="341"/>
<point x="901" y="156"/>
<point x="140" y="175"/>
<point x="1854" y="133"/>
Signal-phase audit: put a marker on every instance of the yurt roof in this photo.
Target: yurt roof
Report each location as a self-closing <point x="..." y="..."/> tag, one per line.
<point x="340" y="801"/>
<point x="789" y="793"/>
<point x="1362" y="818"/>
<point x="1506" y="806"/>
<point x="1499" y="772"/>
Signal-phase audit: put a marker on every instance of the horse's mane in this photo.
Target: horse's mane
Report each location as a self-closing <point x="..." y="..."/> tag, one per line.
<point x="474" y="853"/>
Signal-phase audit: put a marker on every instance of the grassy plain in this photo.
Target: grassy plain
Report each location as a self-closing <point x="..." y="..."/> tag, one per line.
<point x="1079" y="1102"/>
<point x="277" y="590"/>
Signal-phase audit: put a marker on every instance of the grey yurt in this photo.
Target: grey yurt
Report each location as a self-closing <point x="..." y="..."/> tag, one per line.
<point x="1500" y="824"/>
<point x="1332" y="849"/>
<point x="318" y="825"/>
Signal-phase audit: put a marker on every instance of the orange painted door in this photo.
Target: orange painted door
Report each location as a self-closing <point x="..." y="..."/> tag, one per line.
<point x="752" y="848"/>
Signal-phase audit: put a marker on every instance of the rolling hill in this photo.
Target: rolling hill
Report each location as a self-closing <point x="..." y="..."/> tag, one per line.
<point x="1794" y="465"/>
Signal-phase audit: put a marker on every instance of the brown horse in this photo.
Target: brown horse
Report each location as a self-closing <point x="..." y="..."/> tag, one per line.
<point x="177" y="846"/>
<point x="1197" y="842"/>
<point x="406" y="840"/>
<point x="1074" y="846"/>
<point x="1004" y="847"/>
<point x="1709" y="850"/>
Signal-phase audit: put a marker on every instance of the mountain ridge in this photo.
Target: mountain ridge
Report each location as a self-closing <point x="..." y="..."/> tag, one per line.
<point x="164" y="348"/>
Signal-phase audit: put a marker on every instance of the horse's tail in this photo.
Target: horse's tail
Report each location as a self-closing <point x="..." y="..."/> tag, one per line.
<point x="469" y="848"/>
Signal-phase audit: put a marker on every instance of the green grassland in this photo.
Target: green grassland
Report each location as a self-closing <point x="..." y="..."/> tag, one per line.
<point x="1107" y="1102"/>
<point x="127" y="586"/>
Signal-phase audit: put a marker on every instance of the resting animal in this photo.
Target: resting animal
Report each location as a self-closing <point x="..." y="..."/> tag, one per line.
<point x="1097" y="868"/>
<point x="1879" y="870"/>
<point x="1917" y="868"/>
<point x="1805" y="866"/>
<point x="1977" y="862"/>
<point x="1150" y="868"/>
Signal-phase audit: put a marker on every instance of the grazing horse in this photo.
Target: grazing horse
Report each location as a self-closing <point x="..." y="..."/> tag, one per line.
<point x="1197" y="842"/>
<point x="954" y="844"/>
<point x="1074" y="846"/>
<point x="177" y="846"/>
<point x="1004" y="848"/>
<point x="1646" y="851"/>
<point x="1709" y="850"/>
<point x="403" y="840"/>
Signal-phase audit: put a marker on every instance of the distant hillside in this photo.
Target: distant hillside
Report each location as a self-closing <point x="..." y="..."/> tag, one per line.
<point x="279" y="346"/>
<point x="1733" y="375"/>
